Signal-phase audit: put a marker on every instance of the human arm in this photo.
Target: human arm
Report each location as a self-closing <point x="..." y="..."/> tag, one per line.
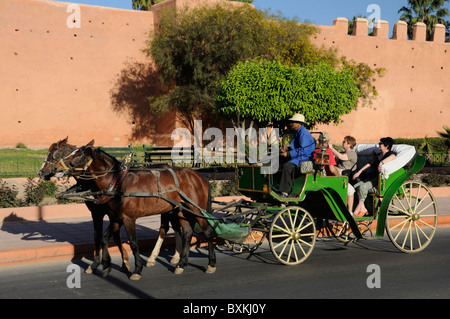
<point x="302" y="146"/>
<point x="356" y="175"/>
<point x="388" y="159"/>
<point x="340" y="156"/>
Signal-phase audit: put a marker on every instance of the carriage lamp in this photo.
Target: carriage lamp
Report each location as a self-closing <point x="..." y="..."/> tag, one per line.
<point x="322" y="158"/>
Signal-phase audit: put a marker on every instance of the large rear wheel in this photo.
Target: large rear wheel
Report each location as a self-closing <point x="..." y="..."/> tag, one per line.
<point x="412" y="217"/>
<point x="292" y="235"/>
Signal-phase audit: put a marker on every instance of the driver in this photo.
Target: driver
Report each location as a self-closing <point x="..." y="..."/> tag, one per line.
<point x="300" y="151"/>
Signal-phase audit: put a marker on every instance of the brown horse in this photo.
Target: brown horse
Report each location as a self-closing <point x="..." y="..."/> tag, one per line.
<point x="56" y="153"/>
<point x="145" y="192"/>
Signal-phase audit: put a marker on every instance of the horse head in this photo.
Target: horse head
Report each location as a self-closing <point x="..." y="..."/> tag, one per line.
<point x="55" y="164"/>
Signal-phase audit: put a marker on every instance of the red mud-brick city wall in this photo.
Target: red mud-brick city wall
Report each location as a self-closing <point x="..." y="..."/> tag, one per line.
<point x="79" y="79"/>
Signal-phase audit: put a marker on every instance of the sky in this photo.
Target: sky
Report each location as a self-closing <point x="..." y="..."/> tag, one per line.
<point x="321" y="12"/>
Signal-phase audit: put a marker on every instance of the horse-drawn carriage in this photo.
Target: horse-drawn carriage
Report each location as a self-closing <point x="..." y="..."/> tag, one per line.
<point x="406" y="209"/>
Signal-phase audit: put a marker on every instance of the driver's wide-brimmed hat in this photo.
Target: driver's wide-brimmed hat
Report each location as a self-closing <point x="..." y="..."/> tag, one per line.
<point x="297" y="117"/>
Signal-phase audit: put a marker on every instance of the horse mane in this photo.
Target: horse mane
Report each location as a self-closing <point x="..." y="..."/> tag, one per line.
<point x="100" y="153"/>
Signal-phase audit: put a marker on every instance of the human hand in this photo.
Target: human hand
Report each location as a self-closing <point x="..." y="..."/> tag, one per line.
<point x="380" y="167"/>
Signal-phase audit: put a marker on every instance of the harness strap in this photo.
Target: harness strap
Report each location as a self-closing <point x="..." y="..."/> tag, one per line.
<point x="69" y="169"/>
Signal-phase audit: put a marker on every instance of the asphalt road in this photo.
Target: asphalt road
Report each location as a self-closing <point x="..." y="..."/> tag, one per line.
<point x="332" y="271"/>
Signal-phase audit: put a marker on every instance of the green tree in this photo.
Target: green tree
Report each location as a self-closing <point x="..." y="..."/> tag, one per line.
<point x="144" y="4"/>
<point x="147" y="4"/>
<point x="194" y="50"/>
<point x="267" y="92"/>
<point x="429" y="12"/>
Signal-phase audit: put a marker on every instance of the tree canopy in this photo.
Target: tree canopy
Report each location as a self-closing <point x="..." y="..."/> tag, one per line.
<point x="269" y="92"/>
<point x="194" y="50"/>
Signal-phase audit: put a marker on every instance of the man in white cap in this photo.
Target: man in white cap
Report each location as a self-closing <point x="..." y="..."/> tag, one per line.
<point x="300" y="150"/>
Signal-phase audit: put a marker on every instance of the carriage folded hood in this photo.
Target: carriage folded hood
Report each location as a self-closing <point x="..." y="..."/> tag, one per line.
<point x="405" y="154"/>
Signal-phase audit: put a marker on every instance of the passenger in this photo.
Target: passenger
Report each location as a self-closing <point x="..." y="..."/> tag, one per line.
<point x="371" y="170"/>
<point x="300" y="151"/>
<point x="347" y="165"/>
<point x="324" y="142"/>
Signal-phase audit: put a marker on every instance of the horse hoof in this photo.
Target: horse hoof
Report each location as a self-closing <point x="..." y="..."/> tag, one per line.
<point x="89" y="270"/>
<point x="135" y="277"/>
<point x="178" y="271"/>
<point x="210" y="270"/>
<point x="151" y="263"/>
<point x="106" y="271"/>
<point x="175" y="260"/>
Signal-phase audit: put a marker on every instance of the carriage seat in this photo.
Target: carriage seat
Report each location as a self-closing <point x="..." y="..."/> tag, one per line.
<point x="405" y="155"/>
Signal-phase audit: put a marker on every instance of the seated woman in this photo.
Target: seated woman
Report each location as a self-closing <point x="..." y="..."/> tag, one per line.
<point x="371" y="171"/>
<point x="347" y="165"/>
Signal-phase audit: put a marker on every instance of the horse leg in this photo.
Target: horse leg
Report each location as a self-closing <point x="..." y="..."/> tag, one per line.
<point x="163" y="229"/>
<point x="118" y="240"/>
<point x="178" y="240"/>
<point x="106" y="258"/>
<point x="209" y="234"/>
<point x="187" y="236"/>
<point x="98" y="229"/>
<point x="130" y="227"/>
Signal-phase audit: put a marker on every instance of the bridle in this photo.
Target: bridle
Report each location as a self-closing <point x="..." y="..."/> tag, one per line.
<point x="59" y="157"/>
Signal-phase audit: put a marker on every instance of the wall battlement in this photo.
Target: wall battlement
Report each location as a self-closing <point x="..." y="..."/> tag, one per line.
<point x="381" y="30"/>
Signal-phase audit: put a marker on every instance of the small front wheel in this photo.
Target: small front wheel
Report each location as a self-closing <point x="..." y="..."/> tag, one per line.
<point x="292" y="235"/>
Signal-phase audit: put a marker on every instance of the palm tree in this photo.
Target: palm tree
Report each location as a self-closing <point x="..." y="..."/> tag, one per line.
<point x="446" y="135"/>
<point x="144" y="5"/>
<point x="429" y="12"/>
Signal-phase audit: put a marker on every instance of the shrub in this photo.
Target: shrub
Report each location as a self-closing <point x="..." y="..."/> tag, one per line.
<point x="437" y="144"/>
<point x="8" y="195"/>
<point x="36" y="191"/>
<point x="435" y="179"/>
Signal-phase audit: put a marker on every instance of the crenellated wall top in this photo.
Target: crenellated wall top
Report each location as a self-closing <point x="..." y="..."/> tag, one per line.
<point x="381" y="30"/>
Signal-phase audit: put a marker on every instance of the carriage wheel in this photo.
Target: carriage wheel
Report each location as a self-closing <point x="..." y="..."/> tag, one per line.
<point x="343" y="232"/>
<point x="253" y="241"/>
<point x="292" y="235"/>
<point x="412" y="217"/>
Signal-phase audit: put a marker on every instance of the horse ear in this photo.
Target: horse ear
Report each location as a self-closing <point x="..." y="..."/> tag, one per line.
<point x="65" y="140"/>
<point x="88" y="149"/>
<point x="91" y="143"/>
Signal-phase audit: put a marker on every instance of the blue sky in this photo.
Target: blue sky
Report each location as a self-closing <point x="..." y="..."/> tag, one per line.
<point x="318" y="12"/>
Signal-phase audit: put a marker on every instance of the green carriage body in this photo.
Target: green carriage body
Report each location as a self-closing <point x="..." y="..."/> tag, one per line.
<point x="325" y="197"/>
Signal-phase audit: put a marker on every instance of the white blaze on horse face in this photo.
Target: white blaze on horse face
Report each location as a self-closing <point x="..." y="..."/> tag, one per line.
<point x="73" y="153"/>
<point x="45" y="161"/>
